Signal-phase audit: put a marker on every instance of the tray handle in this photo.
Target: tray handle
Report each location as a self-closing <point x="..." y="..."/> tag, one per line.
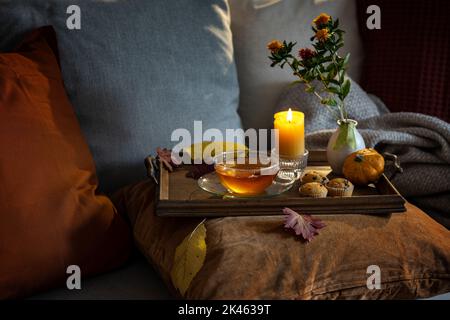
<point x="396" y="162"/>
<point x="152" y="165"/>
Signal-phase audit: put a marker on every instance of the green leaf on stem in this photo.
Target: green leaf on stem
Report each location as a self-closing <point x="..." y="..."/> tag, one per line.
<point x="335" y="82"/>
<point x="341" y="76"/>
<point x="336" y="24"/>
<point x="346" y="88"/>
<point x="346" y="59"/>
<point x="334" y="90"/>
<point x="329" y="102"/>
<point x="330" y="67"/>
<point x="310" y="89"/>
<point x="332" y="74"/>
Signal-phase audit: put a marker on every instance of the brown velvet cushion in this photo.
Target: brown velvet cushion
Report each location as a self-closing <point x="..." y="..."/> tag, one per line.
<point x="50" y="215"/>
<point x="255" y="258"/>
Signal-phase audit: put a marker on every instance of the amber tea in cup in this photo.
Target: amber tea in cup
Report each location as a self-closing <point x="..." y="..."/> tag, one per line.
<point x="246" y="172"/>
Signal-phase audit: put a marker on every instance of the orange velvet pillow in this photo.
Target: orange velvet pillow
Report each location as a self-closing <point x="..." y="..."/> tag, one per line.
<point x="50" y="215"/>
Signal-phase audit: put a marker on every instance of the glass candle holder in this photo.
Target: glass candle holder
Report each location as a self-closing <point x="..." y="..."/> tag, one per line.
<point x="292" y="168"/>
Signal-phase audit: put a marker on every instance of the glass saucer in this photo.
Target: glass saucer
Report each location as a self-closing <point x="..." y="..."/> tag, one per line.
<point x="211" y="183"/>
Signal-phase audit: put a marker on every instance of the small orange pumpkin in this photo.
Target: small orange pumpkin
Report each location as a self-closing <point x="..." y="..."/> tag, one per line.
<point x="363" y="166"/>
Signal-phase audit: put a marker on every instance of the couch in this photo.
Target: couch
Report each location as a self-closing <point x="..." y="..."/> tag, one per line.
<point x="253" y="23"/>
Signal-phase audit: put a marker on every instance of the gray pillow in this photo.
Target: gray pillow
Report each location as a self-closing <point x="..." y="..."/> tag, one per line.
<point x="136" y="71"/>
<point x="256" y="22"/>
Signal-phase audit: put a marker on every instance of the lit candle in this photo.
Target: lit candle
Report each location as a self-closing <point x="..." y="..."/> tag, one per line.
<point x="291" y="133"/>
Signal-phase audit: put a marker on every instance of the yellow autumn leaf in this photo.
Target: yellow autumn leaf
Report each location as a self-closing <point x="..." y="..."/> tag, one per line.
<point x="189" y="258"/>
<point x="197" y="150"/>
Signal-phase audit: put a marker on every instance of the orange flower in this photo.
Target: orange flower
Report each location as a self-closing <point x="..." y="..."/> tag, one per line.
<point x="322" y="35"/>
<point x="274" y="46"/>
<point x="321" y="19"/>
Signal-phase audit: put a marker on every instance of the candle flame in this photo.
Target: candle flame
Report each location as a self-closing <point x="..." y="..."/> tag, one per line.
<point x="289" y="115"/>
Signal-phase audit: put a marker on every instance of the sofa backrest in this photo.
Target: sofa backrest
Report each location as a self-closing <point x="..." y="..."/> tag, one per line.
<point x="137" y="70"/>
<point x="408" y="60"/>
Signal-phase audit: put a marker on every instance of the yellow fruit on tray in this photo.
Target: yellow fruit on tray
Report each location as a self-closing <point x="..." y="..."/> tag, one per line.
<point x="197" y="151"/>
<point x="364" y="166"/>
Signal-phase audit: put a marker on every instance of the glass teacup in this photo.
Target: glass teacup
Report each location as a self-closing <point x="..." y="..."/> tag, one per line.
<point x="246" y="172"/>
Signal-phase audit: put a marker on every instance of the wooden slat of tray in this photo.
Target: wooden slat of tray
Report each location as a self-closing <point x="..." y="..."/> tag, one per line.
<point x="181" y="197"/>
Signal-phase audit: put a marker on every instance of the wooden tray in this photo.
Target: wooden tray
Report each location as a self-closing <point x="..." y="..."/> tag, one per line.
<point x="179" y="196"/>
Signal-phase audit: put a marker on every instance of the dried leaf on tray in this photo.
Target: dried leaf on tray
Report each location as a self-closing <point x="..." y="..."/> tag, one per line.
<point x="189" y="258"/>
<point x="198" y="170"/>
<point x="165" y="155"/>
<point x="304" y="225"/>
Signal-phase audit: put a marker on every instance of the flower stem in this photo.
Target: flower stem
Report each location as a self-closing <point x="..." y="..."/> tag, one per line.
<point x="307" y="84"/>
<point x="342" y="110"/>
<point x="310" y="87"/>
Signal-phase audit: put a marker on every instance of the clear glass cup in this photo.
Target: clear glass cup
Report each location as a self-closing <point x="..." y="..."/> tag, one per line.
<point x="246" y="172"/>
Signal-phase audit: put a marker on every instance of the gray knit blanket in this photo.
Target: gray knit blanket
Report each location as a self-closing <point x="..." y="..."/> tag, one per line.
<point x="421" y="142"/>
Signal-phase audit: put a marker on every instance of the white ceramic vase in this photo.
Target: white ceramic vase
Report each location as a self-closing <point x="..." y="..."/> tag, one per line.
<point x="336" y="154"/>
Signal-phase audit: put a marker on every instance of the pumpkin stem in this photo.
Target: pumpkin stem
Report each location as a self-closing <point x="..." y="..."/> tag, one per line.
<point x="359" y="158"/>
